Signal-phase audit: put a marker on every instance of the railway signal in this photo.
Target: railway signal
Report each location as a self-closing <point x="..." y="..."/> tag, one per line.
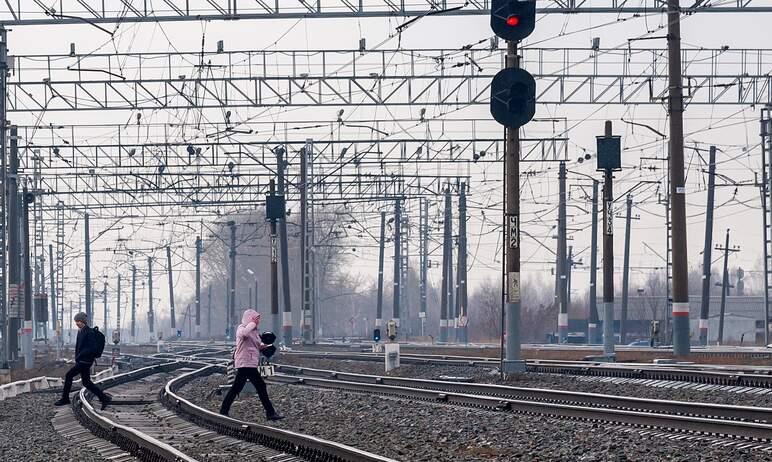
<point x="513" y="104"/>
<point x="512" y="19"/>
<point x="513" y="97"/>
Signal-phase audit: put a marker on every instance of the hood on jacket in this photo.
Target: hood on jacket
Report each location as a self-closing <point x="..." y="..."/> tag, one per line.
<point x="249" y="316"/>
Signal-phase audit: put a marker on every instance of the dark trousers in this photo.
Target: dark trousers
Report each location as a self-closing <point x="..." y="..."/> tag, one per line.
<point x="85" y="377"/>
<point x="242" y="374"/>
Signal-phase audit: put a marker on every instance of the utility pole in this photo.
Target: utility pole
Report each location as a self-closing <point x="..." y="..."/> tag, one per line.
<point x="227" y="306"/>
<point x="56" y="328"/>
<point x="513" y="362"/>
<point x="609" y="160"/>
<point x="452" y="283"/>
<point x="625" y="274"/>
<point x="305" y="260"/>
<point x="766" y="203"/>
<point x="307" y="241"/>
<point x="198" y="287"/>
<point x="462" y="289"/>
<point x="232" y="321"/>
<point x="677" y="184"/>
<point x="118" y="309"/>
<point x="133" y="332"/>
<point x="173" y="315"/>
<point x="381" y="251"/>
<point x="5" y="281"/>
<point x="29" y="354"/>
<point x="105" y="326"/>
<point x="592" y="326"/>
<point x="150" y="313"/>
<point x="706" y="256"/>
<point x="562" y="262"/>
<point x="445" y="262"/>
<point x="52" y="277"/>
<point x="285" y="282"/>
<point x="16" y="287"/>
<point x="273" y="218"/>
<point x="87" y="238"/>
<point x="724" y="284"/>
<point x="397" y="258"/>
<point x="209" y="314"/>
<point x="423" y="260"/>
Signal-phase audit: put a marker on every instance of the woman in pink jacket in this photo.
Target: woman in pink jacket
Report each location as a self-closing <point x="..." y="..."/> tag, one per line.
<point x="247" y="358"/>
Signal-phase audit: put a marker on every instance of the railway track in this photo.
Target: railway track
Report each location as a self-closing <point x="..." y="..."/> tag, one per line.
<point x="741" y="423"/>
<point x="740" y="377"/>
<point x="147" y="421"/>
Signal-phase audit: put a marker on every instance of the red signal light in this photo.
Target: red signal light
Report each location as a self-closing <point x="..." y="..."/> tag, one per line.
<point x="513" y="20"/>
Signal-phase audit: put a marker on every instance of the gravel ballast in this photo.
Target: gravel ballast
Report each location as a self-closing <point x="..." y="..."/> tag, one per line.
<point x="482" y="374"/>
<point x="422" y="431"/>
<point x="27" y="435"/>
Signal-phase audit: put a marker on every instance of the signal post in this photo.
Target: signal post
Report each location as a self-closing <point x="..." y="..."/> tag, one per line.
<point x="513" y="104"/>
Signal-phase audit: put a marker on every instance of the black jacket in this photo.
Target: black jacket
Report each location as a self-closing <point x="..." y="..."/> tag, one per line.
<point x="85" y="346"/>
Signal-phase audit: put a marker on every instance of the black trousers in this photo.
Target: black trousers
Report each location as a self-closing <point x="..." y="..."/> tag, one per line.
<point x="242" y="374"/>
<point x="85" y="377"/>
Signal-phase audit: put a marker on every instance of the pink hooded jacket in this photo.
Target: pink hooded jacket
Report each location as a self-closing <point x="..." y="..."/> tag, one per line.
<point x="248" y="343"/>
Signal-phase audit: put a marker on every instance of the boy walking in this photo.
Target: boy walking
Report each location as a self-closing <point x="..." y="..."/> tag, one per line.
<point x="85" y="354"/>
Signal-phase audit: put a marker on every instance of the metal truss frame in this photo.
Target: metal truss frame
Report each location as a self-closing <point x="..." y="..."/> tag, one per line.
<point x="429" y="77"/>
<point x="36" y="12"/>
<point x="230" y="175"/>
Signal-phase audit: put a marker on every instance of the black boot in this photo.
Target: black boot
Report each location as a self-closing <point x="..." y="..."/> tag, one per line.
<point x="274" y="416"/>
<point x="62" y="402"/>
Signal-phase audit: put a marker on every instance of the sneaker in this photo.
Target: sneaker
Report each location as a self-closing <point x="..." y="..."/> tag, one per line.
<point x="62" y="402"/>
<point x="106" y="402"/>
<point x="274" y="417"/>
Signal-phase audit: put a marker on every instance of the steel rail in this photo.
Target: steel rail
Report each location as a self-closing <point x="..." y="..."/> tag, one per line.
<point x="600" y="369"/>
<point x="696" y="409"/>
<point x="141" y="445"/>
<point x="311" y="448"/>
<point x="724" y="428"/>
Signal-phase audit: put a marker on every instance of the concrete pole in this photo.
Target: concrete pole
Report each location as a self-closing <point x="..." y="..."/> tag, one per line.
<point x="274" y="270"/>
<point x="29" y="354"/>
<point x="118" y="308"/>
<point x="562" y="260"/>
<point x="462" y="275"/>
<point x="625" y="274"/>
<point x="706" y="254"/>
<point x="512" y="362"/>
<point x="284" y="244"/>
<point x="5" y="347"/>
<point x="51" y="274"/>
<point x="172" y="314"/>
<point x="397" y="260"/>
<point x="150" y="313"/>
<point x="105" y="319"/>
<point x="233" y="322"/>
<point x="198" y="287"/>
<point x="381" y="251"/>
<point x="305" y="261"/>
<point x="56" y="328"/>
<point x="724" y="288"/>
<point x="14" y="248"/>
<point x="681" y="345"/>
<point x="608" y="258"/>
<point x="592" y="325"/>
<point x="445" y="262"/>
<point x="87" y="243"/>
<point x="452" y="283"/>
<point x="424" y="261"/>
<point x="133" y="332"/>
<point x="209" y="314"/>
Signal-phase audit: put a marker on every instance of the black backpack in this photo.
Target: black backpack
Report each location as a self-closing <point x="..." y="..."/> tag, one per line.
<point x="99" y="338"/>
